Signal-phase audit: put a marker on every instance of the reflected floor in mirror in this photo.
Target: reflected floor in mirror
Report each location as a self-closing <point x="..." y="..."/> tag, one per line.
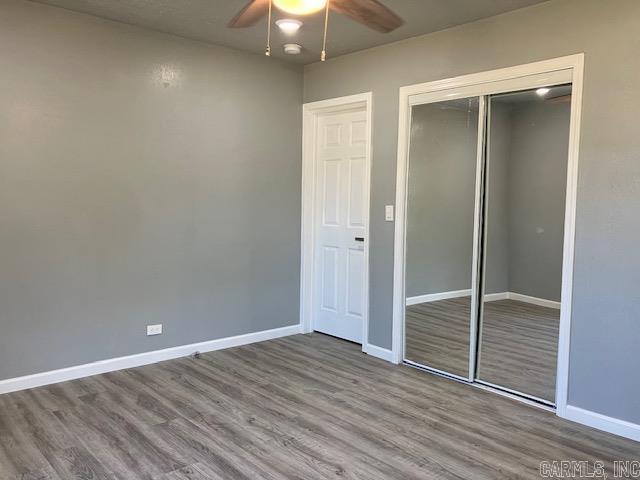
<point x="519" y="347"/>
<point x="438" y="335"/>
<point x="519" y="342"/>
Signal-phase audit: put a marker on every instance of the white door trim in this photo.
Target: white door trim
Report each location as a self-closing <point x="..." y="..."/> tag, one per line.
<point x="480" y="84"/>
<point x="310" y="113"/>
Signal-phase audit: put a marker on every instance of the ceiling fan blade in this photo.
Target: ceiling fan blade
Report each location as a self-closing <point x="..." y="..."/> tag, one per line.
<point x="250" y="14"/>
<point x="370" y="13"/>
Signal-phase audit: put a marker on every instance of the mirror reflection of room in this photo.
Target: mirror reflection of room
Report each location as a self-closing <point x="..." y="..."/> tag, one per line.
<point x="439" y="236"/>
<point x="520" y="208"/>
<point x="524" y="228"/>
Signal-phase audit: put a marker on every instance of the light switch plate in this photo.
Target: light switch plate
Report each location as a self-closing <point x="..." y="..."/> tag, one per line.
<point x="154" y="329"/>
<point x="388" y="213"/>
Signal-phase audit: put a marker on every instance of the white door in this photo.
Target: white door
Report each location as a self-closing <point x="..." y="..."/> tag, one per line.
<point x="340" y="225"/>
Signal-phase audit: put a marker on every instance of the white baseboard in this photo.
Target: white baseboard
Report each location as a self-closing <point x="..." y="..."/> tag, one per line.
<point x="492" y="297"/>
<point x="542" y="302"/>
<point x="379" y="352"/>
<point x="434" y="297"/>
<point x="489" y="297"/>
<point x="139" y="359"/>
<point x="602" y="422"/>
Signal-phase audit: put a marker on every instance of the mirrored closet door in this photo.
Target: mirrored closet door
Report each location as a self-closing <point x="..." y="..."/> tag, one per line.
<point x="526" y="176"/>
<point x="441" y="193"/>
<point x="484" y="232"/>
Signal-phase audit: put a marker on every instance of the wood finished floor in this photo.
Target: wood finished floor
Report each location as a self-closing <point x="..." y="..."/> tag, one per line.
<point x="437" y="334"/>
<point x="302" y="407"/>
<point x="518" y="347"/>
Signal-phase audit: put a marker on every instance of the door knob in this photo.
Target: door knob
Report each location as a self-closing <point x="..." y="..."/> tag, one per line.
<point x="359" y="239"/>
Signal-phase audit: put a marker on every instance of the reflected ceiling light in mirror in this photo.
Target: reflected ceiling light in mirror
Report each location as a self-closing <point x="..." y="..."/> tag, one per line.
<point x="300" y="7"/>
<point x="542" y="91"/>
<point x="292" y="48"/>
<point x="289" y="26"/>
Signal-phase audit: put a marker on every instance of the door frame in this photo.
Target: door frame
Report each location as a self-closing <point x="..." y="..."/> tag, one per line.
<point x="481" y="82"/>
<point x="310" y="113"/>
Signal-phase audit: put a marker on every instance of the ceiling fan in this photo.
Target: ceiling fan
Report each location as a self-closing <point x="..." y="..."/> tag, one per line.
<point x="370" y="13"/>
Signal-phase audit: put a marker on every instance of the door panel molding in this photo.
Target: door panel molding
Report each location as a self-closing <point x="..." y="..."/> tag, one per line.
<point x="310" y="113"/>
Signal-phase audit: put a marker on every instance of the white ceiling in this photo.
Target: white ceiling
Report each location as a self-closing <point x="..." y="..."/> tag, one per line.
<point x="206" y="20"/>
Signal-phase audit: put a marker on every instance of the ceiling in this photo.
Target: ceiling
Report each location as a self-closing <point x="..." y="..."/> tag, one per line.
<point x="206" y="20"/>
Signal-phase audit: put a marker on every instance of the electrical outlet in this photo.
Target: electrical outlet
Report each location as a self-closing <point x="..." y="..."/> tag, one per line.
<point x="154" y="329"/>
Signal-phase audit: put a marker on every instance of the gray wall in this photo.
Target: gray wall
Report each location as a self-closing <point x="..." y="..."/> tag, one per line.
<point x="606" y="301"/>
<point x="526" y="197"/>
<point x="536" y="201"/>
<point x="441" y="197"/>
<point x="526" y="192"/>
<point x="143" y="181"/>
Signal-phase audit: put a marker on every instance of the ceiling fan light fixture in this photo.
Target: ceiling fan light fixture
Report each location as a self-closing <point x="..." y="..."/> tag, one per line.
<point x="300" y="7"/>
<point x="289" y="26"/>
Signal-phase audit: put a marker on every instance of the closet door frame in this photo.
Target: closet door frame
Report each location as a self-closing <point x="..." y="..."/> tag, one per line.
<point x="567" y="69"/>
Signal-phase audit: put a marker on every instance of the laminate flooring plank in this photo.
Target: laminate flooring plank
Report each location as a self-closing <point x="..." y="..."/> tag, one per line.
<point x="197" y="471"/>
<point x="302" y="407"/>
<point x="265" y="423"/>
<point x="373" y="435"/>
<point x="518" y="348"/>
<point x="376" y="433"/>
<point x="21" y="456"/>
<point x="437" y="334"/>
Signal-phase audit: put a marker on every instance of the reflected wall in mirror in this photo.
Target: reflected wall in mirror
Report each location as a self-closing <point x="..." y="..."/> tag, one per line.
<point x="439" y="234"/>
<point x="528" y="138"/>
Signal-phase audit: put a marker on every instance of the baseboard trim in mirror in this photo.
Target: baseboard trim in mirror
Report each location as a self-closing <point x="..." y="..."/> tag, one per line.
<point x="434" y="297"/>
<point x="541" y="302"/>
